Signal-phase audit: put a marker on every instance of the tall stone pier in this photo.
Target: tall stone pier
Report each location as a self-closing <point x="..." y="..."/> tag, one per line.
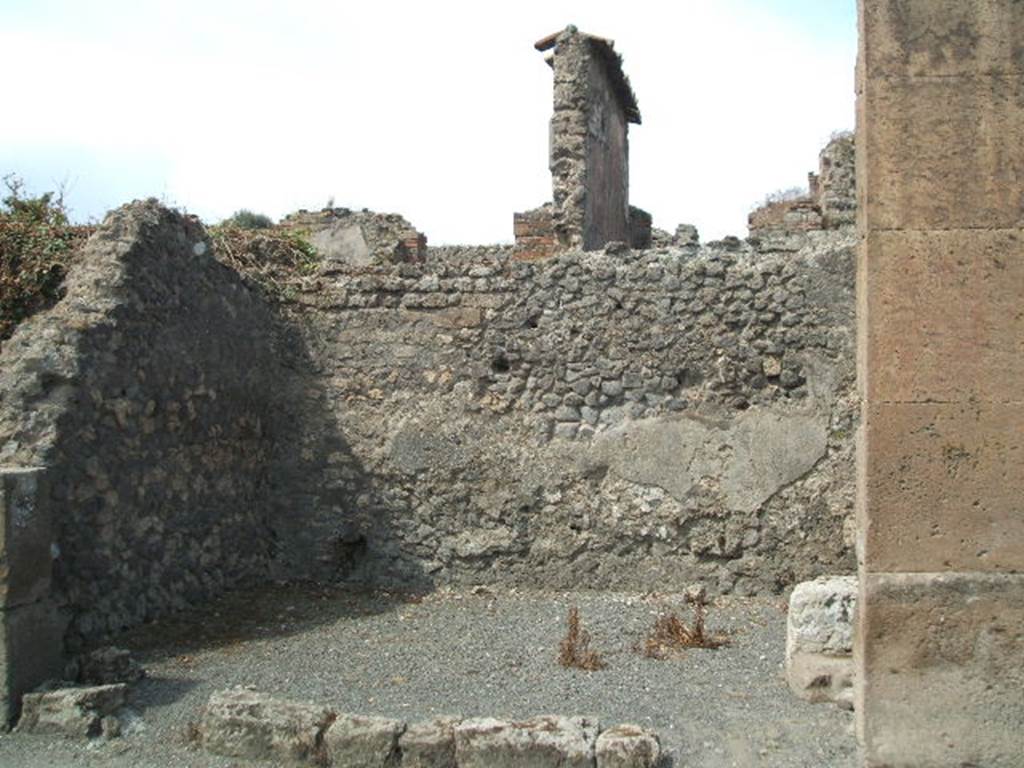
<point x="940" y="143"/>
<point x="594" y="105"/>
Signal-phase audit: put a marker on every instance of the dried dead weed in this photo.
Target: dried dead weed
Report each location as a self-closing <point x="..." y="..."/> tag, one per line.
<point x="670" y="635"/>
<point x="575" y="652"/>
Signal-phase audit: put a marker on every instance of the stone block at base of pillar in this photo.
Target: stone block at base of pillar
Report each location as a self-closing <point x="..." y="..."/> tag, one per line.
<point x="940" y="670"/>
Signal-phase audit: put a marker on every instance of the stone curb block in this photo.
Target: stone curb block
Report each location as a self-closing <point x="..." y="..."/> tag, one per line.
<point x="567" y="742"/>
<point x="243" y="723"/>
<point x="75" y="712"/>
<point x="628" y="746"/>
<point x="370" y="742"/>
<point x="429" y="744"/>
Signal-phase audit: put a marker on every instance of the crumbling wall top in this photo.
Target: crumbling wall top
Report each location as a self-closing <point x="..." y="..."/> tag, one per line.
<point x="359" y="238"/>
<point x="829" y="203"/>
<point x="604" y="50"/>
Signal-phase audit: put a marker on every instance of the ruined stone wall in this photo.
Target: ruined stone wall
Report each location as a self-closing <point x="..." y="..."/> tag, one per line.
<point x="358" y="238"/>
<point x="146" y="395"/>
<point x="639" y="419"/>
<point x="836" y="182"/>
<point x="785" y="216"/>
<point x="618" y="418"/>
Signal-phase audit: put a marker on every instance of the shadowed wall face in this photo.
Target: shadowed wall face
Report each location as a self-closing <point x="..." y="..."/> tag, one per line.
<point x="147" y="394"/>
<point x="606" y="213"/>
<point x="941" y="357"/>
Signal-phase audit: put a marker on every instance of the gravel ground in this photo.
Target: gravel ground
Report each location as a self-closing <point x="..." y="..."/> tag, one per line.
<point x="489" y="653"/>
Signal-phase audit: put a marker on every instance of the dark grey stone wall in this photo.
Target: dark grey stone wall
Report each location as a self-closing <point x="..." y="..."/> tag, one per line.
<point x="148" y="393"/>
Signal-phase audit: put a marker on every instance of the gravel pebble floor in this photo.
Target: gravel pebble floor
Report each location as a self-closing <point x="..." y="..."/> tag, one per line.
<point x="481" y="652"/>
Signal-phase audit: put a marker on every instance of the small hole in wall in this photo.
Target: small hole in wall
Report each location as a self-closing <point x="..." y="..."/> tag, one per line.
<point x="349" y="555"/>
<point x="531" y="322"/>
<point x="500" y="363"/>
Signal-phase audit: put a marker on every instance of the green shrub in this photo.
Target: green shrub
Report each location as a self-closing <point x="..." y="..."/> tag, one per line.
<point x="278" y="260"/>
<point x="36" y="246"/>
<point x="246" y="219"/>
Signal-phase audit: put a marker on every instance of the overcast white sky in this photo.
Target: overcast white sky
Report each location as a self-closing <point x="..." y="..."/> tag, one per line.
<point x="435" y="110"/>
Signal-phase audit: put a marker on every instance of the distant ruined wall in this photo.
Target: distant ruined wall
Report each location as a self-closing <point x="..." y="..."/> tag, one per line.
<point x="785" y="216"/>
<point x="568" y="138"/>
<point x="835" y="184"/>
<point x="631" y="419"/>
<point x="830" y="202"/>
<point x="147" y="397"/>
<point x="358" y="238"/>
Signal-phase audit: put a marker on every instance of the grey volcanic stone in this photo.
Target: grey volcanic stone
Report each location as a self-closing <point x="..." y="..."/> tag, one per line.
<point x="150" y="394"/>
<point x="821" y="614"/>
<point x="628" y="746"/>
<point x="819" y="639"/>
<point x="367" y="430"/>
<point x="109" y="665"/>
<point x="686" y="235"/>
<point x="75" y="712"/>
<point x="430" y="744"/>
<point x="625" y="436"/>
<point x="542" y="742"/>
<point x="363" y="742"/>
<point x="246" y="724"/>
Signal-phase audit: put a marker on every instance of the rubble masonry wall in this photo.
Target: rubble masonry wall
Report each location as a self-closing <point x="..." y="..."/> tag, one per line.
<point x="636" y="419"/>
<point x="625" y="419"/>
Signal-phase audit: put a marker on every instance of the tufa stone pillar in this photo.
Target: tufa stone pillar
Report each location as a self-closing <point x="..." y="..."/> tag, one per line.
<point x="939" y="646"/>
